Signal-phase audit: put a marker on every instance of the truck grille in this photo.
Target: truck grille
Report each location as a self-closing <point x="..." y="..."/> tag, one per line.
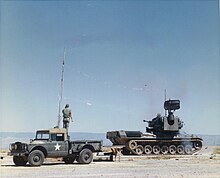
<point x="18" y="146"/>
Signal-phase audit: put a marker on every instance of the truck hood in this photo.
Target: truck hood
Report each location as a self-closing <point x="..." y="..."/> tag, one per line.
<point x="37" y="142"/>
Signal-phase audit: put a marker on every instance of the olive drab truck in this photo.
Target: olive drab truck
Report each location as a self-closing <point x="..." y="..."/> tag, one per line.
<point x="53" y="143"/>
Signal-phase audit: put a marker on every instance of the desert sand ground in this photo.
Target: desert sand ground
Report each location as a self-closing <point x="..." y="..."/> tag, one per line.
<point x="204" y="164"/>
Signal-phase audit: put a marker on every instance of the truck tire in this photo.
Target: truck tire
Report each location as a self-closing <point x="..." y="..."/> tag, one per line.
<point x="20" y="160"/>
<point x="36" y="158"/>
<point x="85" y="156"/>
<point x="69" y="160"/>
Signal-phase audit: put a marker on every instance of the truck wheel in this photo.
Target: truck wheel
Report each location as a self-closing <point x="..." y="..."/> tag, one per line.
<point x="20" y="160"/>
<point x="36" y="158"/>
<point x="85" y="156"/>
<point x="69" y="160"/>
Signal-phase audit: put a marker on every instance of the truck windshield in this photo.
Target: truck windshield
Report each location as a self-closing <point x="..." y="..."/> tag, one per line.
<point x="40" y="135"/>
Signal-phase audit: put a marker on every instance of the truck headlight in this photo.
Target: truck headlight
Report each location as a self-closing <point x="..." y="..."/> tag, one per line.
<point x="25" y="147"/>
<point x="13" y="146"/>
<point x="10" y="147"/>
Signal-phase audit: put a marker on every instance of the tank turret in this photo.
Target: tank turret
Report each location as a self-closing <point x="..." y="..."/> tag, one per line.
<point x="166" y="126"/>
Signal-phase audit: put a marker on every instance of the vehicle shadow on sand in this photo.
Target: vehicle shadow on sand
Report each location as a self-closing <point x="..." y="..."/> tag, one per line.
<point x="53" y="164"/>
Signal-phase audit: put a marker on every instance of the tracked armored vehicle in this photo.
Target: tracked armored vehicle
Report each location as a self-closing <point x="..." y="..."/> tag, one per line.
<point x="162" y="136"/>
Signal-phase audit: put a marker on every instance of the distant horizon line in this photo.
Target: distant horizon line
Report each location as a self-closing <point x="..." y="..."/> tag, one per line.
<point x="99" y="133"/>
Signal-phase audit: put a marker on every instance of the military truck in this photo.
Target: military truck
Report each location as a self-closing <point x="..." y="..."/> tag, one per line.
<point x="53" y="143"/>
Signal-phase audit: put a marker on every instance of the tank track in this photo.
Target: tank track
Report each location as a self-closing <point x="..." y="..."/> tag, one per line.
<point x="178" y="146"/>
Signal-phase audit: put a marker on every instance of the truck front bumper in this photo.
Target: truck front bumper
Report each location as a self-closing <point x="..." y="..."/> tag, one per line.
<point x="17" y="153"/>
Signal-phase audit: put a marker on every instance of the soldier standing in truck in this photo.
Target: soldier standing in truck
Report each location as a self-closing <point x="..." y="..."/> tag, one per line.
<point x="67" y="115"/>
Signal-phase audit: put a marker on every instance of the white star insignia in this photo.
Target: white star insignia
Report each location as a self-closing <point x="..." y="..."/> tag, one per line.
<point x="57" y="147"/>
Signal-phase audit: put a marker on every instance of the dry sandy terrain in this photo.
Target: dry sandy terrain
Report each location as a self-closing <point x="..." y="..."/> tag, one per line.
<point x="204" y="164"/>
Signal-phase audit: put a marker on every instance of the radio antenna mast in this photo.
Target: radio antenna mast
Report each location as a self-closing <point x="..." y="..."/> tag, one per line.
<point x="61" y="89"/>
<point x="165" y="97"/>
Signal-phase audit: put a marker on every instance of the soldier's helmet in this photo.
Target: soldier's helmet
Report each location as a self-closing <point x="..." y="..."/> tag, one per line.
<point x="158" y="115"/>
<point x="67" y="105"/>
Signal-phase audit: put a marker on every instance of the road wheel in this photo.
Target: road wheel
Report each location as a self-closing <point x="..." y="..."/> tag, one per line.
<point x="188" y="149"/>
<point x="164" y="149"/>
<point x="69" y="160"/>
<point x="132" y="144"/>
<point x="172" y="149"/>
<point x="148" y="149"/>
<point x="197" y="145"/>
<point x="156" y="149"/>
<point x="180" y="149"/>
<point x="139" y="150"/>
<point x="36" y="158"/>
<point x="20" y="160"/>
<point x="85" y="156"/>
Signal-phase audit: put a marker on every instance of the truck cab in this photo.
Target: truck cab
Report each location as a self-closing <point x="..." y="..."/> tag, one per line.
<point x="54" y="140"/>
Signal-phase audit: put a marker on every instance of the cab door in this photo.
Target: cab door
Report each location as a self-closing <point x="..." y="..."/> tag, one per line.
<point x="57" y="147"/>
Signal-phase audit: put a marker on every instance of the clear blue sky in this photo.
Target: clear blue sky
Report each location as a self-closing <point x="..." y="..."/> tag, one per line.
<point x="121" y="55"/>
